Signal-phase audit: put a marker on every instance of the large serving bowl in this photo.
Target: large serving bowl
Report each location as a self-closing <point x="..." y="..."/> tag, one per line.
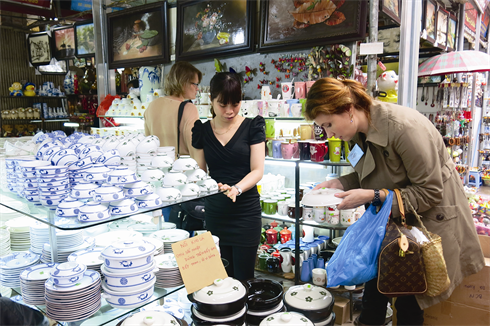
<point x="107" y="193"/>
<point x="263" y="295"/>
<point x="67" y="274"/>
<point x="128" y="255"/>
<point x="128" y="299"/>
<point x="222" y="298"/>
<point x="315" y="302"/>
<point x="93" y="212"/>
<point x="129" y="281"/>
<point x="69" y="207"/>
<point x="200" y="319"/>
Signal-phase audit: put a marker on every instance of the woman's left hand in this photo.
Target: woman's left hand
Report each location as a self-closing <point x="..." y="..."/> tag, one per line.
<point x="354" y="198"/>
<point x="230" y="192"/>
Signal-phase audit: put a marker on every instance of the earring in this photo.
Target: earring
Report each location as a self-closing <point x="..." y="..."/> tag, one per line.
<point x="351" y="120"/>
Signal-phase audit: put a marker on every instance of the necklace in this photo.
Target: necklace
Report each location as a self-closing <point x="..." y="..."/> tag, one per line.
<point x="219" y="134"/>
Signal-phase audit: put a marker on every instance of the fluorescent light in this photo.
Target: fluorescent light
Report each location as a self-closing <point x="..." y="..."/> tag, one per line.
<point x="71" y="124"/>
<point x="292" y="164"/>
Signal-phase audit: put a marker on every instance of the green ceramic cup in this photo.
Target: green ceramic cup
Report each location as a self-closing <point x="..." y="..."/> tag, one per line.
<point x="263" y="261"/>
<point x="270" y="206"/>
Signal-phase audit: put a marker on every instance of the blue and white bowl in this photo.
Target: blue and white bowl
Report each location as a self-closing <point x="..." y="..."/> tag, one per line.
<point x="83" y="190"/>
<point x="63" y="192"/>
<point x="128" y="255"/>
<point x="128" y="299"/>
<point x="97" y="173"/>
<point x="136" y="189"/>
<point x="55" y="188"/>
<point x="51" y="171"/>
<point x="88" y="149"/>
<point x="52" y="182"/>
<point x="67" y="274"/>
<point x="26" y="166"/>
<point x="69" y="207"/>
<point x="66" y="160"/>
<point x="51" y="201"/>
<point x="107" y="193"/>
<point x="149" y="201"/>
<point x="93" y="212"/>
<point x="82" y="163"/>
<point x="129" y="281"/>
<point x="32" y="198"/>
<point x="50" y="152"/>
<point x="111" y="157"/>
<point x="62" y="153"/>
<point x="123" y="207"/>
<point x="122" y="175"/>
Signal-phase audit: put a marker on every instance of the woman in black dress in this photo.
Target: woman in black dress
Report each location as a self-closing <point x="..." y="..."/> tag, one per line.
<point x="234" y="149"/>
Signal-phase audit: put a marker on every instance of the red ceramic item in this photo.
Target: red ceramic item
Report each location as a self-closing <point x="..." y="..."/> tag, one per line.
<point x="285" y="235"/>
<point x="271" y="235"/>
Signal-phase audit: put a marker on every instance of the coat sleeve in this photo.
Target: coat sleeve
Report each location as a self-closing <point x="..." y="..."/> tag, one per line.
<point x="350" y="181"/>
<point x="421" y="150"/>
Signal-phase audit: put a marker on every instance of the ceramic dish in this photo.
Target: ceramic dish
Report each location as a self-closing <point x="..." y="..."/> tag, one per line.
<point x="128" y="255"/>
<point x="107" y="193"/>
<point x="129" y="281"/>
<point x="139" y="188"/>
<point x="122" y="175"/>
<point x="183" y="164"/>
<point x="168" y="194"/>
<point x="149" y="201"/>
<point x="208" y="185"/>
<point x="123" y="207"/>
<point x="67" y="274"/>
<point x="83" y="190"/>
<point x="322" y="197"/>
<point x="314" y="302"/>
<point x="93" y="212"/>
<point x="174" y="178"/>
<point x="196" y="175"/>
<point x="69" y="207"/>
<point x="128" y="299"/>
<point x="50" y="171"/>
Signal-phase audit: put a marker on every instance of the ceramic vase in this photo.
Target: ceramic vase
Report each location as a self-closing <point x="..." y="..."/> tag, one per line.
<point x="149" y="80"/>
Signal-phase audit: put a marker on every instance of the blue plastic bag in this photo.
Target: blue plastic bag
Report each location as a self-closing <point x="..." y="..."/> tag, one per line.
<point x="356" y="259"/>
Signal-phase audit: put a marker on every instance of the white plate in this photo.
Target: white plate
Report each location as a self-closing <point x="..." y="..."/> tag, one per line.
<point x="18" y="260"/>
<point x="87" y="257"/>
<point x="37" y="272"/>
<point x="170" y="236"/>
<point x="106" y="239"/>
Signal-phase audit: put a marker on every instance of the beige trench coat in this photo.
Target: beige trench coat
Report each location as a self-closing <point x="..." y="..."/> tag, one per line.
<point x="404" y="150"/>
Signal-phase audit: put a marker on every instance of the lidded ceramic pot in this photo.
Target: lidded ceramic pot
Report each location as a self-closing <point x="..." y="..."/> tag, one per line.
<point x="128" y="255"/>
<point x="286" y="318"/>
<point x="151" y="317"/>
<point x="315" y="302"/>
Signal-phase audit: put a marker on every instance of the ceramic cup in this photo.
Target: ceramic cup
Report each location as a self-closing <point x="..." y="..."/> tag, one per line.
<point x="308" y="85"/>
<point x="276" y="149"/>
<point x="282" y="208"/>
<point x="305" y="131"/>
<point x="299" y="90"/>
<point x="263" y="261"/>
<point x="270" y="206"/>
<point x="317" y="151"/>
<point x="287" y="150"/>
<point x="270" y="131"/>
<point x="307" y="213"/>
<point x="319" y="215"/>
<point x="304" y="150"/>
<point x="319" y="276"/>
<point x="265" y="93"/>
<point x="296" y="109"/>
<point x="286" y="89"/>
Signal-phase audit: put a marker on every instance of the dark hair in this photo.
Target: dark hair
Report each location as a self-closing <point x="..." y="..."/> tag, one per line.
<point x="226" y="87"/>
<point x="180" y="74"/>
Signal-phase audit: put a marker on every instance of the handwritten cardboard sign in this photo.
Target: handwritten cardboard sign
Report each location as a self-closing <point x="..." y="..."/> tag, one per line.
<point x="199" y="261"/>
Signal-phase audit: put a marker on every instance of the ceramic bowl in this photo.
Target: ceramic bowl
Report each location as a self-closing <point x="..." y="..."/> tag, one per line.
<point x="112" y="143"/>
<point x="64" y="157"/>
<point x="93" y="212"/>
<point x="87" y="139"/>
<point x="149" y="201"/>
<point x="196" y="175"/>
<point x="69" y="207"/>
<point x="140" y="156"/>
<point x="26" y="166"/>
<point x="97" y="173"/>
<point x="152" y="175"/>
<point x="318" y="309"/>
<point x="51" y="171"/>
<point x="111" y="157"/>
<point x="50" y="152"/>
<point x="190" y="190"/>
<point x="83" y="190"/>
<point x="51" y="201"/>
<point x="82" y="163"/>
<point x="107" y="193"/>
<point x="264" y="294"/>
<point x="136" y="189"/>
<point x="95" y="155"/>
<point x="32" y="198"/>
<point x="161" y="161"/>
<point x="128" y="299"/>
<point x="43" y="149"/>
<point x="31" y="191"/>
<point x="67" y="274"/>
<point x="185" y="164"/>
<point x="126" y="148"/>
<point x="28" y="174"/>
<point x="64" y="192"/>
<point x="128" y="255"/>
<point x="87" y="150"/>
<point x="55" y="181"/>
<point x="128" y="159"/>
<point x="168" y="194"/>
<point x="129" y="280"/>
<point x="123" y="207"/>
<point x="54" y="188"/>
<point x="122" y="175"/>
<point x="174" y="178"/>
<point x="208" y="185"/>
<point x="148" y="145"/>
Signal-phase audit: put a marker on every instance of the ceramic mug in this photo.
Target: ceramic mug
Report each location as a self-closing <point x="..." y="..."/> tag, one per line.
<point x="276" y="148"/>
<point x="270" y="131"/>
<point x="305" y="131"/>
<point x="270" y="206"/>
<point x="263" y="261"/>
<point x="265" y="93"/>
<point x="295" y="148"/>
<point x="282" y="208"/>
<point x="296" y="109"/>
<point x="287" y="150"/>
<point x="286" y="89"/>
<point x="274" y="107"/>
<point x="308" y="85"/>
<point x="319" y="215"/>
<point x="307" y="213"/>
<point x="304" y="150"/>
<point x="273" y="264"/>
<point x="317" y="151"/>
<point x="319" y="276"/>
<point x="299" y="90"/>
<point x="268" y="147"/>
<point x="292" y="210"/>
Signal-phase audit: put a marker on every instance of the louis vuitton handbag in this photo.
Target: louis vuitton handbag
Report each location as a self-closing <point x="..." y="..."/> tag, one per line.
<point x="400" y="266"/>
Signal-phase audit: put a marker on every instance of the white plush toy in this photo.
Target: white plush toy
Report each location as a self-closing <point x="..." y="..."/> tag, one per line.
<point x="388" y="83"/>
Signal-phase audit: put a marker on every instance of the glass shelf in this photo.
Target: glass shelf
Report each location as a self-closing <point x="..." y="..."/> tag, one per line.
<point x="107" y="313"/>
<point x="286" y="118"/>
<point x="47" y="216"/>
<point x="37" y="96"/>
<point x="281" y="218"/>
<point x="297" y="160"/>
<point x="121" y="116"/>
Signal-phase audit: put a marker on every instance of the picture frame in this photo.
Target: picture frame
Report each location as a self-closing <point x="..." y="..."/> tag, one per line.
<point x="39" y="46"/>
<point x="442" y="25"/>
<point x="63" y="42"/>
<point x="217" y="28"/>
<point x="85" y="39"/>
<point x="392" y="8"/>
<point x="429" y="21"/>
<point x="60" y="67"/>
<point x="280" y="30"/>
<point x="138" y="36"/>
<point x="452" y="28"/>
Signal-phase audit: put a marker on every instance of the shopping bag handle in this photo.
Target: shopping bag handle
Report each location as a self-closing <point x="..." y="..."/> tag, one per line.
<point x="401" y="207"/>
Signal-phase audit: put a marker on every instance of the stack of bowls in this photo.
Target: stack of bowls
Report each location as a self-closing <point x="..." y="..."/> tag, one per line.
<point x="223" y="302"/>
<point x="264" y="299"/>
<point x="55" y="177"/>
<point x="145" y="151"/>
<point x="129" y="271"/>
<point x="29" y="181"/>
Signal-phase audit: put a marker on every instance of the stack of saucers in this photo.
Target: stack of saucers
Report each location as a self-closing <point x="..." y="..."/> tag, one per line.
<point x="12" y="265"/>
<point x="168" y="275"/>
<point x="5" y="242"/>
<point x="19" y="233"/>
<point x="64" y="239"/>
<point x="89" y="257"/>
<point x="67" y="251"/>
<point x="32" y="282"/>
<point x="169" y="237"/>
<point x="76" y="302"/>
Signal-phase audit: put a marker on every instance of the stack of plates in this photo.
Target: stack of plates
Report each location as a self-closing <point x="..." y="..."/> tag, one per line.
<point x="12" y="265"/>
<point x="32" y="282"/>
<point x="169" y="237"/>
<point x="158" y="245"/>
<point x="64" y="239"/>
<point x="5" y="242"/>
<point x="75" y="302"/>
<point x="89" y="257"/>
<point x="63" y="254"/>
<point x="168" y="275"/>
<point x="19" y="233"/>
<point x="106" y="239"/>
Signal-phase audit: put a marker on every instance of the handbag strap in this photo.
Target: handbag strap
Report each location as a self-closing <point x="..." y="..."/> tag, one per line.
<point x="424" y="229"/>
<point x="179" y="119"/>
<point x="401" y="207"/>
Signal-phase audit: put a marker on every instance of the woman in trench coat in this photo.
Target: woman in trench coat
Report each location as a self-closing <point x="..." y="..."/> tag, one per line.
<point x="398" y="147"/>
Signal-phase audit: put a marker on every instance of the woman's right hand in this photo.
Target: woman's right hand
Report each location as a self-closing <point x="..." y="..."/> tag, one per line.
<point x="334" y="183"/>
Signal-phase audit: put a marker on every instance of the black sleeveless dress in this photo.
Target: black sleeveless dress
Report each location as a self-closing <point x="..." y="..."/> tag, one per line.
<point x="235" y="223"/>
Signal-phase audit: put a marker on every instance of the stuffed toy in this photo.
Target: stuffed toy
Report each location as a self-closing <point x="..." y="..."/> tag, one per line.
<point x="388" y="84"/>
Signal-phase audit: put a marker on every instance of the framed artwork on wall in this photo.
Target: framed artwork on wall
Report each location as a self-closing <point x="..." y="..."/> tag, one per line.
<point x="59" y="67"/>
<point x="207" y="29"/>
<point x="392" y="8"/>
<point x="64" y="42"/>
<point x="292" y="24"/>
<point x="85" y="39"/>
<point x="452" y="24"/>
<point x="429" y="22"/>
<point x="138" y="36"/>
<point x="442" y="21"/>
<point x="39" y="45"/>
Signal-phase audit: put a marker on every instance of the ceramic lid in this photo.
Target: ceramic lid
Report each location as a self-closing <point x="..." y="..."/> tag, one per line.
<point x="322" y="197"/>
<point x="107" y="189"/>
<point x="221" y="291"/>
<point x="70" y="203"/>
<point x="130" y="248"/>
<point x="308" y="297"/>
<point x="68" y="269"/>
<point x="85" y="186"/>
<point x="285" y="231"/>
<point x="92" y="207"/>
<point x="271" y="230"/>
<point x="150" y="318"/>
<point x="122" y="203"/>
<point x="286" y="318"/>
<point x="136" y="185"/>
<point x="98" y="168"/>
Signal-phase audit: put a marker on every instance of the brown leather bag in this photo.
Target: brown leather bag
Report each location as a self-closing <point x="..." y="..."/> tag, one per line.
<point x="400" y="268"/>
